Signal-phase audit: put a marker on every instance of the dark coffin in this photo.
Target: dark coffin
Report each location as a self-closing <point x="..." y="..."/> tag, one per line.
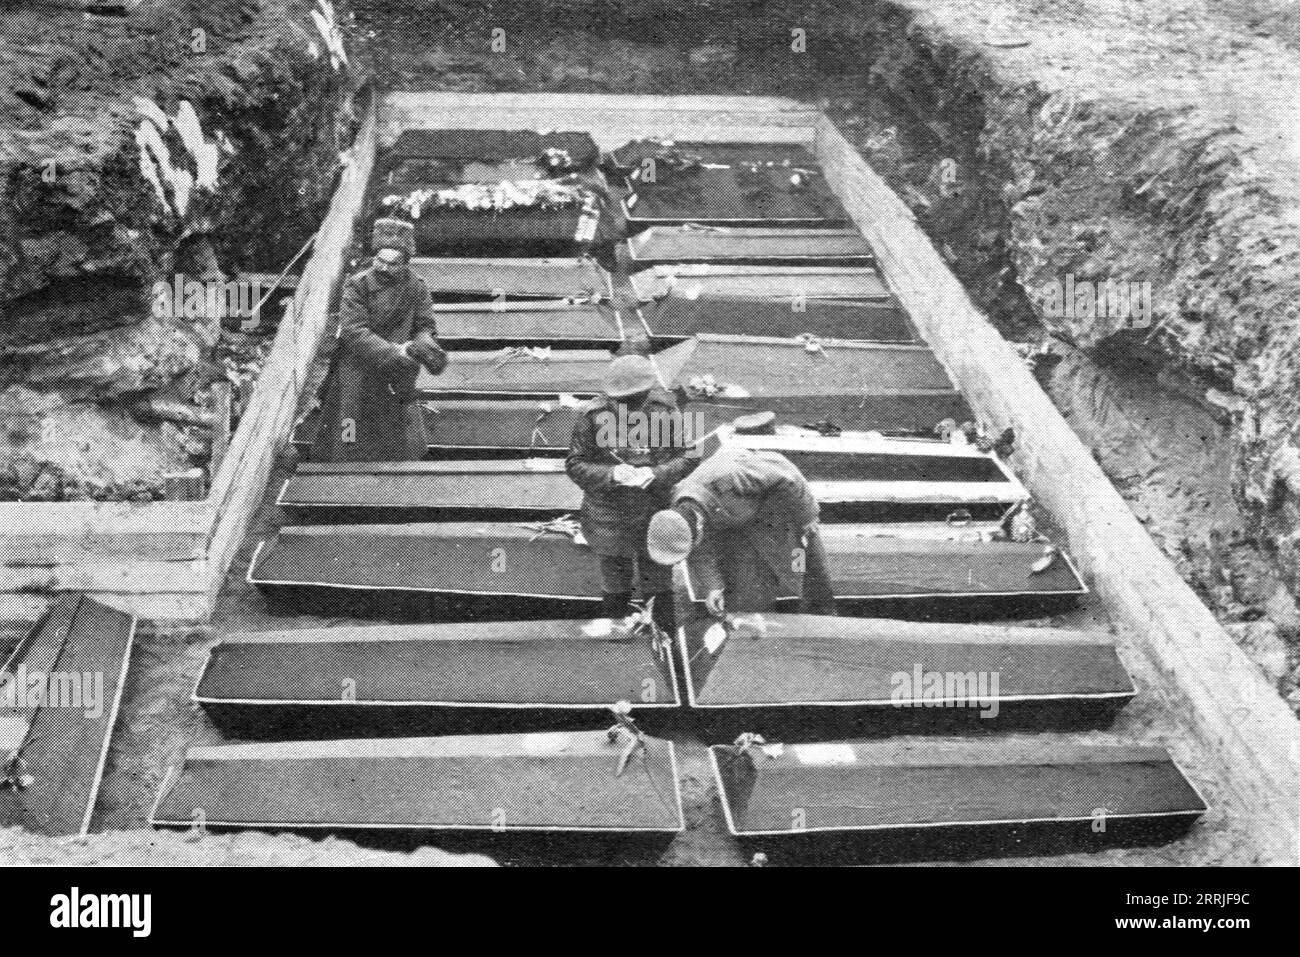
<point x="491" y="145"/>
<point x="485" y="427"/>
<point x="65" y="748"/>
<point x="737" y="184"/>
<point x="944" y="578"/>
<point x="558" y="324"/>
<point x="862" y="477"/>
<point x="749" y="245"/>
<point x="468" y="427"/>
<point x="503" y="372"/>
<point x="889" y="800"/>
<point x="551" y="783"/>
<point x="528" y="230"/>
<point x="894" y="387"/>
<point x="432" y="678"/>
<point x="633" y="154"/>
<point x="481" y="570"/>
<point x="682" y="315"/>
<point x="703" y="280"/>
<point x="793" y="675"/>
<point x="429" y="491"/>
<point x="491" y="570"/>
<point x="772" y="366"/>
<point x="485" y="280"/>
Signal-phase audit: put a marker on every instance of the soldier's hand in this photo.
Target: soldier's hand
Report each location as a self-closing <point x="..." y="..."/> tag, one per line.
<point x="424" y="350"/>
<point x="715" y="603"/>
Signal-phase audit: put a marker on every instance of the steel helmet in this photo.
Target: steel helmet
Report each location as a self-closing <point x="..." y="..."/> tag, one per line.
<point x="628" y="375"/>
<point x="669" y="538"/>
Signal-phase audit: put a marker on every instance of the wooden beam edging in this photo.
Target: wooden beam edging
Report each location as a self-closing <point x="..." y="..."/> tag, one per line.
<point x="1241" y="727"/>
<point x="611" y="119"/>
<point x="241" y="480"/>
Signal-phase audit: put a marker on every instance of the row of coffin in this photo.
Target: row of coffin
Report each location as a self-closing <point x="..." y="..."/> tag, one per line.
<point x="794" y="675"/>
<point x="744" y="320"/>
<point x="549" y="193"/>
<point x="671" y="303"/>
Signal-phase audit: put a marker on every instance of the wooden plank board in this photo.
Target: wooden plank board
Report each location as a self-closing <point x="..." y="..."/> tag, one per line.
<point x="766" y="246"/>
<point x="611" y="119"/>
<point x="488" y="279"/>
<point x="66" y="748"/>
<point x="878" y="786"/>
<point x="560" y="782"/>
<point x="241" y="482"/>
<point x="539" y="665"/>
<point x="802" y="660"/>
<point x="561" y="325"/>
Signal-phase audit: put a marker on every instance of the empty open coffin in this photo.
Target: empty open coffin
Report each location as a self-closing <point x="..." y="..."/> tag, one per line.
<point x="81" y="648"/>
<point x="764" y="246"/>
<point x="500" y="785"/>
<point x="495" y="569"/>
<point x="495" y="280"/>
<point x="797" y="675"/>
<point x="435" y="678"/>
<point x="934" y="799"/>
<point x="558" y="324"/>
<point x="725" y="184"/>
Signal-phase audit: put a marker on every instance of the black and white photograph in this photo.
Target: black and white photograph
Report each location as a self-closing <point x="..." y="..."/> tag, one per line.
<point x="650" y="433"/>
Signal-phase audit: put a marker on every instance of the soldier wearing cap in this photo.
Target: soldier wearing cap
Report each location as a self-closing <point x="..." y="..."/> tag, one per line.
<point x="745" y="522"/>
<point x="370" y="412"/>
<point x="626" y="460"/>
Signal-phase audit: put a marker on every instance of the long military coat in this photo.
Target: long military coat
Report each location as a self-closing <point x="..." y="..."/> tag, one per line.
<point x="370" y="413"/>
